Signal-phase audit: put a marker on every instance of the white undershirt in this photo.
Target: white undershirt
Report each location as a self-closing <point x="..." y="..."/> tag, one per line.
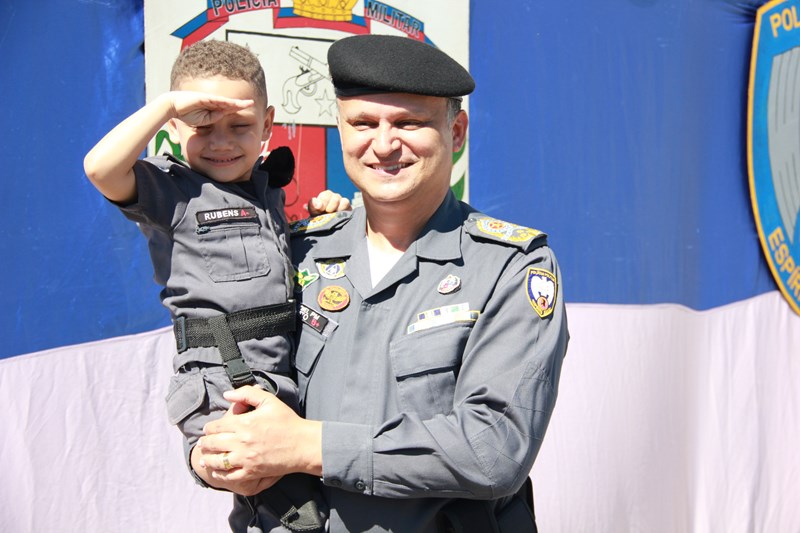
<point x="380" y="261"/>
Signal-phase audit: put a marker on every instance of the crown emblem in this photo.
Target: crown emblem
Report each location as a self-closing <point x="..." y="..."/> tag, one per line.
<point x="334" y="10"/>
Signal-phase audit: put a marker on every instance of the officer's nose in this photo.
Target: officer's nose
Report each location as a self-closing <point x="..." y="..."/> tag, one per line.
<point x="385" y="141"/>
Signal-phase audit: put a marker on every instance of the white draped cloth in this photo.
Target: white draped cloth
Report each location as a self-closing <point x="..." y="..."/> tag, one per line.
<point x="668" y="420"/>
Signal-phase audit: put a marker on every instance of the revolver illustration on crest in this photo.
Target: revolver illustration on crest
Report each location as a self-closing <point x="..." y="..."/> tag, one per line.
<point x="312" y="71"/>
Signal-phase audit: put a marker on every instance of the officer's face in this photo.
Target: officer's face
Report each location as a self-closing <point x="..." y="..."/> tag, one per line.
<point x="226" y="150"/>
<point x="399" y="147"/>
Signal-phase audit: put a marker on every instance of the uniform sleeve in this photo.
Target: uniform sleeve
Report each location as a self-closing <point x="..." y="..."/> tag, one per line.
<point x="159" y="199"/>
<point x="504" y="396"/>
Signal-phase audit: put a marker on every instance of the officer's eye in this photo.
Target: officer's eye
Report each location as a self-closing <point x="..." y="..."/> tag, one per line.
<point x="362" y="124"/>
<point x="409" y="124"/>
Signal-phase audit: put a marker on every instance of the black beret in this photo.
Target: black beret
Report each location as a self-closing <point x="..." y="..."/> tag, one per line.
<point x="368" y="64"/>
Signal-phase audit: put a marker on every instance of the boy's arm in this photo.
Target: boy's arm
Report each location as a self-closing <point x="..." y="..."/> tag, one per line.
<point x="109" y="165"/>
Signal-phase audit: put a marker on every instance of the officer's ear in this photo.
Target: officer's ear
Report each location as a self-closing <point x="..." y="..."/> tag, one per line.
<point x="459" y="130"/>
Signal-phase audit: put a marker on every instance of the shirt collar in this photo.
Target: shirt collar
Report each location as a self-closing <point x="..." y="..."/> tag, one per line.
<point x="440" y="239"/>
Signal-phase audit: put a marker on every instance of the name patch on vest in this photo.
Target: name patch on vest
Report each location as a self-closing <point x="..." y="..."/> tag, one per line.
<point x="231" y="214"/>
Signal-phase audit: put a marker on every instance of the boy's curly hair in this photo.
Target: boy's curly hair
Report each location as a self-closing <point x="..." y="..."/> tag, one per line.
<point x="205" y="59"/>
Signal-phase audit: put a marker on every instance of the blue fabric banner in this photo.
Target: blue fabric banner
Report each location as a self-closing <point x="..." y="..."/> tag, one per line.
<point x="618" y="128"/>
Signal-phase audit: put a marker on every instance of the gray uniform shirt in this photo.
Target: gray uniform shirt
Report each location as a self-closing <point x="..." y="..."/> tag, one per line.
<point x="439" y="382"/>
<point x="215" y="249"/>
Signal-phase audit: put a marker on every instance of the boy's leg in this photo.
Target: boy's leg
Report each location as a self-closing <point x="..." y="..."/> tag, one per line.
<point x="195" y="398"/>
<point x="296" y="499"/>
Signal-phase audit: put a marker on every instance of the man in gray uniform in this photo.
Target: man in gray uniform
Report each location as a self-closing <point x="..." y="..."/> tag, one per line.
<point x="431" y="336"/>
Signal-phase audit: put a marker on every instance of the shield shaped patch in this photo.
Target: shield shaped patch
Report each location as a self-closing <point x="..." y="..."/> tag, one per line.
<point x="773" y="141"/>
<point x="541" y="287"/>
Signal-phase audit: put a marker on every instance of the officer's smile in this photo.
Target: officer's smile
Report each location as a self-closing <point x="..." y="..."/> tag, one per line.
<point x="390" y="168"/>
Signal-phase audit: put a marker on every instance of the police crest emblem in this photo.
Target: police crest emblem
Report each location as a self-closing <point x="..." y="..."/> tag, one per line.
<point x="773" y="141"/>
<point x="541" y="287"/>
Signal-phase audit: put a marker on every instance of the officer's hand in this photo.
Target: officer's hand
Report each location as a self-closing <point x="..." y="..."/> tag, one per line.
<point x="327" y="202"/>
<point x="244" y="487"/>
<point x="248" y="488"/>
<point x="267" y="442"/>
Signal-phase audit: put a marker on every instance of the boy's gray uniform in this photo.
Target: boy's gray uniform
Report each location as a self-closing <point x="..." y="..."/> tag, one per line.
<point x="216" y="249"/>
<point x="437" y="384"/>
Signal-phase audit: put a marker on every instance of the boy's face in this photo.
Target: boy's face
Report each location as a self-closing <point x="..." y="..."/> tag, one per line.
<point x="226" y="150"/>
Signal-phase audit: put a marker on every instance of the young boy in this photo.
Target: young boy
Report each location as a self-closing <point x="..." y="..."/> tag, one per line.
<point x="217" y="235"/>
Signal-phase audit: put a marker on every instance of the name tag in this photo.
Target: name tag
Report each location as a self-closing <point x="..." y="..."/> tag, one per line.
<point x="218" y="216"/>
<point x="313" y="319"/>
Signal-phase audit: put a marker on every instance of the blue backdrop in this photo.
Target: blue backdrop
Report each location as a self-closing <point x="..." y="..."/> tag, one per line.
<point x="617" y="127"/>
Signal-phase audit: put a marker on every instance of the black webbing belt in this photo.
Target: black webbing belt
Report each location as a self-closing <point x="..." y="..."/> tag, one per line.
<point x="227" y="330"/>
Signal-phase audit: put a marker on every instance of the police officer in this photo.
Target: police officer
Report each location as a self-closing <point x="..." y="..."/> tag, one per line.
<point x="432" y="335"/>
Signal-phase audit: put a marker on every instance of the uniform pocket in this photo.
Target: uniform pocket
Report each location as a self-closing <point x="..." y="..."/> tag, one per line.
<point x="195" y="398"/>
<point x="309" y="346"/>
<point x="426" y="366"/>
<point x="186" y="394"/>
<point x="234" y="252"/>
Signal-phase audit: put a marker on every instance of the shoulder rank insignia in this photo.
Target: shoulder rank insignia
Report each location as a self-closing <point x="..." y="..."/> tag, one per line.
<point x="320" y="222"/>
<point x="540" y="287"/>
<point x="502" y="231"/>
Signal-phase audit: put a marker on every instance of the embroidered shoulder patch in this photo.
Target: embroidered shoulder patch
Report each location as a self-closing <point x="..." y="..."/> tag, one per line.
<point x="540" y="287"/>
<point x="326" y="221"/>
<point x="498" y="230"/>
<point x="311" y="223"/>
<point x="506" y="231"/>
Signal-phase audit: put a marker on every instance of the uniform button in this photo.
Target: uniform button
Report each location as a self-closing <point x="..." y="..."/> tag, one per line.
<point x="336" y="482"/>
<point x="360" y="485"/>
